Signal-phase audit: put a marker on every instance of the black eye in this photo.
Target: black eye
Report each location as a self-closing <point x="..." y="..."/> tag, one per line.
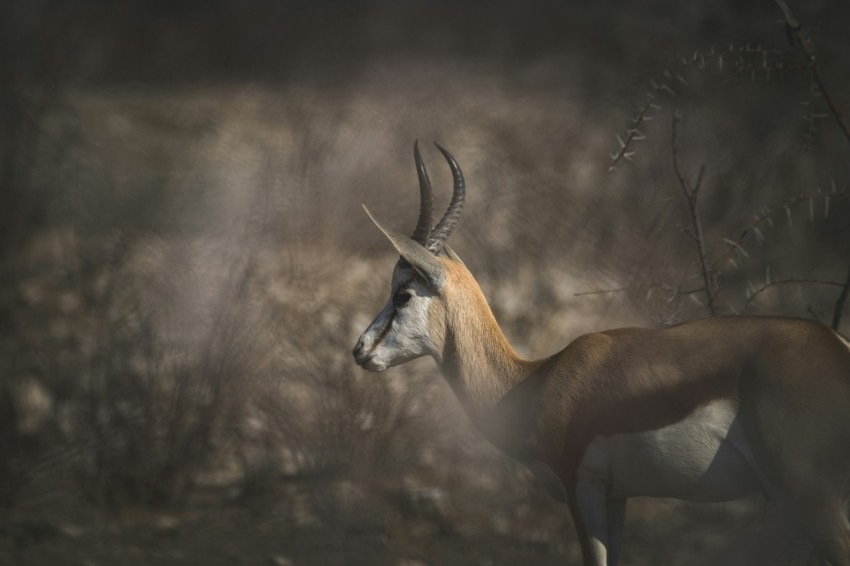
<point x="401" y="298"/>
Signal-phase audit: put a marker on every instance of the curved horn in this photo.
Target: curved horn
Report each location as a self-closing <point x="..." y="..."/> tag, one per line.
<point x="426" y="200"/>
<point x="444" y="227"/>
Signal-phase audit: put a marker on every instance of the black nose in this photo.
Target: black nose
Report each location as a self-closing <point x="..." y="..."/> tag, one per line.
<point x="357" y="349"/>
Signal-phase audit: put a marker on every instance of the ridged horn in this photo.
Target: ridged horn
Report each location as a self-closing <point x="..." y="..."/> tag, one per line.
<point x="426" y="200"/>
<point x="444" y="227"/>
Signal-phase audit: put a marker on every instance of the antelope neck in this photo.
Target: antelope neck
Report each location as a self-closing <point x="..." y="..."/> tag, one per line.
<point x="476" y="358"/>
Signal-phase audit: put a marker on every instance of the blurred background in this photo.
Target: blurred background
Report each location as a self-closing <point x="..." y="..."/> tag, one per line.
<point x="186" y="265"/>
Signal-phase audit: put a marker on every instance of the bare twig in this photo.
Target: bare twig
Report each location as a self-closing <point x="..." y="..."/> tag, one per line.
<point x="692" y="198"/>
<point x="812" y="312"/>
<point x="807" y="48"/>
<point x="633" y="134"/>
<point x="811" y="116"/>
<point x="613" y="291"/>
<point x="839" y="305"/>
<point x="738" y="59"/>
<point x="776" y="282"/>
<point x="766" y="215"/>
<point x="671" y="290"/>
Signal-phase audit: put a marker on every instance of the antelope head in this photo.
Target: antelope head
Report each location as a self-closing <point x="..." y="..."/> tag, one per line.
<point x="412" y="322"/>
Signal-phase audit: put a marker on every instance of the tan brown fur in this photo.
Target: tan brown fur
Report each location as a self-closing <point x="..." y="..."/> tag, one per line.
<point x="789" y="378"/>
<point x="710" y="409"/>
<point x="638" y="379"/>
<point x="476" y="358"/>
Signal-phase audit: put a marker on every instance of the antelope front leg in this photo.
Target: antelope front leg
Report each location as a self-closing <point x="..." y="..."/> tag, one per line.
<point x="589" y="506"/>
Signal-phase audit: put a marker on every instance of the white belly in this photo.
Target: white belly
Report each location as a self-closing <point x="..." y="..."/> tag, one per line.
<point x="701" y="458"/>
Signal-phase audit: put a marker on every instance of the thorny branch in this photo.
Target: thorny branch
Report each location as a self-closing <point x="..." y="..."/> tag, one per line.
<point x="807" y="48"/>
<point x="741" y="59"/>
<point x="671" y="290"/>
<point x="633" y="133"/>
<point x="811" y="116"/>
<point x="691" y="192"/>
<point x="839" y="305"/>
<point x="752" y="295"/>
<point x="766" y="215"/>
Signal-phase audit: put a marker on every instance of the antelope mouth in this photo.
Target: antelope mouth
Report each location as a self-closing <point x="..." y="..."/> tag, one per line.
<point x="370" y="365"/>
<point x="367" y="361"/>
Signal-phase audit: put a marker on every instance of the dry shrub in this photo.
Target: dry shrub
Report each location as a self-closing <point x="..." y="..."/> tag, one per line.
<point x="153" y="413"/>
<point x="147" y="424"/>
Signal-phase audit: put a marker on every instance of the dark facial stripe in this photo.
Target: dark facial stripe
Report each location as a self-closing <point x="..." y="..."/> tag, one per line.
<point x="383" y="332"/>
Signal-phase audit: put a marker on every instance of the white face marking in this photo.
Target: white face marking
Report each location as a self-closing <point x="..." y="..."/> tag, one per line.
<point x="400" y="331"/>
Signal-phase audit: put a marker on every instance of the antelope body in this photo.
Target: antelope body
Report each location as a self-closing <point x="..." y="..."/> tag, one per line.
<point x="710" y="410"/>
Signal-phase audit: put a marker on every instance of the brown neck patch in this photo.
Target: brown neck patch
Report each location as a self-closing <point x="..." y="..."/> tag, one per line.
<point x="476" y="357"/>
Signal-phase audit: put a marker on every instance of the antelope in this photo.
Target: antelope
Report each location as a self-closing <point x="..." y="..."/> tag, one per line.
<point x="710" y="410"/>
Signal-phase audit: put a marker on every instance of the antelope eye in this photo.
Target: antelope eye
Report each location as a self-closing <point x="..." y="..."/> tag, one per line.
<point x="401" y="298"/>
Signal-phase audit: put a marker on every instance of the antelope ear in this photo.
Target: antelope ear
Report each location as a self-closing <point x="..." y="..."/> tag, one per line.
<point x="423" y="261"/>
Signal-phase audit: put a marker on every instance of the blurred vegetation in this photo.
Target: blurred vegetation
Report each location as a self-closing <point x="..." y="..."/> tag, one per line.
<point x="185" y="266"/>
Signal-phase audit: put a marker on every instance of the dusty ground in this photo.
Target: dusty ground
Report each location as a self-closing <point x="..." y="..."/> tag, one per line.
<point x="343" y="523"/>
